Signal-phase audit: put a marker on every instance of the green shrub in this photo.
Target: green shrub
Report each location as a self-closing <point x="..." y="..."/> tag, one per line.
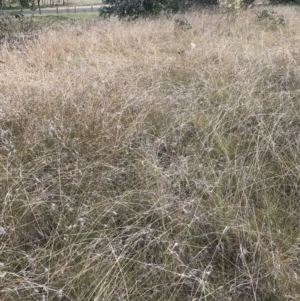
<point x="182" y="23"/>
<point x="274" y="2"/>
<point x="132" y="9"/>
<point x="270" y="17"/>
<point x="135" y="8"/>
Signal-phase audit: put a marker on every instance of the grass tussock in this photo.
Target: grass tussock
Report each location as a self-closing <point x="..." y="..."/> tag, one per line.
<point x="136" y="166"/>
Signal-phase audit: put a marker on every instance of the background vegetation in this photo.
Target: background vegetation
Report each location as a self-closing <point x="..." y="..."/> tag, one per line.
<point x="136" y="8"/>
<point x="151" y="160"/>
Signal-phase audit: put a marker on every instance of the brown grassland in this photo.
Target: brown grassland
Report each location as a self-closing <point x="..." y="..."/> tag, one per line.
<point x="134" y="166"/>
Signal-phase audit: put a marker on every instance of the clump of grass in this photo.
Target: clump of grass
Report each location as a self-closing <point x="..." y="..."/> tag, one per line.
<point x="130" y="171"/>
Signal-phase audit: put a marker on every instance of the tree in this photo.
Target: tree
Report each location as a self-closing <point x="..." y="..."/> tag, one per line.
<point x="134" y="8"/>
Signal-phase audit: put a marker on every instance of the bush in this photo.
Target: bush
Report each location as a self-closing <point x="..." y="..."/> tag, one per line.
<point x="135" y="8"/>
<point x="270" y="17"/>
<point x="132" y="9"/>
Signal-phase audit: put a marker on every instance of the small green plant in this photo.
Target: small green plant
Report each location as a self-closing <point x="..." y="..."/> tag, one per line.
<point x="271" y="17"/>
<point x="182" y="23"/>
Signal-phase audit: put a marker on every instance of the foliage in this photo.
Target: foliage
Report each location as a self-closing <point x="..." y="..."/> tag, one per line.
<point x="274" y="2"/>
<point x="20" y="3"/>
<point x="135" y="8"/>
<point x="231" y="5"/>
<point x="270" y="17"/>
<point x="14" y="24"/>
<point x="132" y="9"/>
<point x="204" y="2"/>
<point x="24" y="3"/>
<point x="182" y="23"/>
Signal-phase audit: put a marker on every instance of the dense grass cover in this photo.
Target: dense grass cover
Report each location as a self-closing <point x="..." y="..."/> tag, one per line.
<point x="146" y="161"/>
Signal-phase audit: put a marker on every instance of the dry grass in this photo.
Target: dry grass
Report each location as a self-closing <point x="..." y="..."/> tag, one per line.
<point x="135" y="167"/>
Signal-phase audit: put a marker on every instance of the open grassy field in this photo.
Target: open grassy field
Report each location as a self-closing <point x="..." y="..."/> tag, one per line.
<point x="152" y="160"/>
